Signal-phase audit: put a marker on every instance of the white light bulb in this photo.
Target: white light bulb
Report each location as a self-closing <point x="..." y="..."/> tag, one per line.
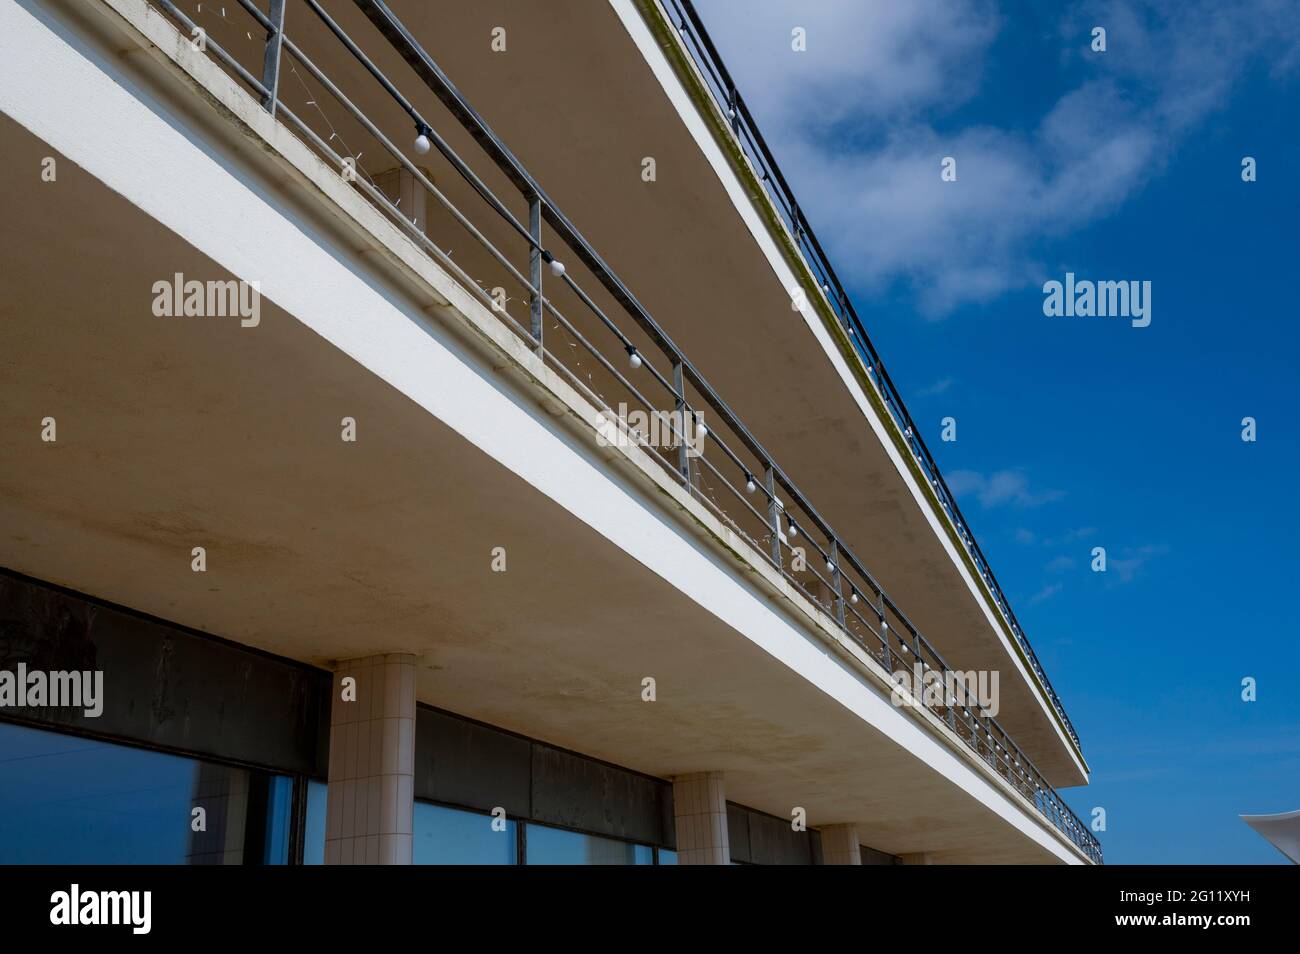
<point x="557" y="267"/>
<point x="701" y="431"/>
<point x="830" y="567"/>
<point x="750" y="486"/>
<point x="634" y="360"/>
<point x="853" y="598"/>
<point x="422" y="144"/>
<point x="794" y="531"/>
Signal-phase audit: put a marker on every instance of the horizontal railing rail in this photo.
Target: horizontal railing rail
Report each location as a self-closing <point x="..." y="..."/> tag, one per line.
<point x="722" y="457"/>
<point x="698" y="44"/>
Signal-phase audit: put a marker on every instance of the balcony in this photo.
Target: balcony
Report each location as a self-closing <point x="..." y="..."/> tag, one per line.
<point x="439" y="173"/>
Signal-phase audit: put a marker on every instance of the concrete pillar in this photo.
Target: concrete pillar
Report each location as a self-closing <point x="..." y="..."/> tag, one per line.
<point x="840" y="845"/>
<point x="917" y="858"/>
<point x="700" y="809"/>
<point x="371" y="798"/>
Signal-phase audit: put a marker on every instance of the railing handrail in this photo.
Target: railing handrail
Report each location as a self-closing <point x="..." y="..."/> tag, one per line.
<point x="733" y="106"/>
<point x="1001" y="750"/>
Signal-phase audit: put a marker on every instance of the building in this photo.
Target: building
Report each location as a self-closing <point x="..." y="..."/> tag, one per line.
<point x="434" y="433"/>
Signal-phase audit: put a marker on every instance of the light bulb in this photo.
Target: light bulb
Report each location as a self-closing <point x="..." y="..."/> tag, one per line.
<point x="422" y="144"/>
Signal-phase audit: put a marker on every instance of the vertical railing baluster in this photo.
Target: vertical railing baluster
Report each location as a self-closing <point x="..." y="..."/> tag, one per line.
<point x="837" y="581"/>
<point x="773" y="513"/>
<point x="683" y="445"/>
<point x="535" y="302"/>
<point x="271" y="58"/>
<point x="888" y="653"/>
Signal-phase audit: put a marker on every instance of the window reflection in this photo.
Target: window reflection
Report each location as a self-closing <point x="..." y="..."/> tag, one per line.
<point x="69" y="800"/>
<point x="449" y="836"/>
<point x="313" y="838"/>
<point x="555" y="846"/>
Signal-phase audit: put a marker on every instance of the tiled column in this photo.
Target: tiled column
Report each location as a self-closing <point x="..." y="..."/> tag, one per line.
<point x="372" y="762"/>
<point x="840" y="845"/>
<point x="700" y="807"/>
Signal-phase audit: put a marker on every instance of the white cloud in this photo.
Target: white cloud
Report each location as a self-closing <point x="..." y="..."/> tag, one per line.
<point x="1046" y="593"/>
<point x="1132" y="560"/>
<point x="855" y="123"/>
<point x="1000" y="487"/>
<point x="942" y="386"/>
<point x="1060" y="564"/>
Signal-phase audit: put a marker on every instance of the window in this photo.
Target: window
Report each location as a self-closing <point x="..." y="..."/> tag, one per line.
<point x="313" y="834"/>
<point x="555" y="846"/>
<point x="70" y="800"/>
<point x="449" y="836"/>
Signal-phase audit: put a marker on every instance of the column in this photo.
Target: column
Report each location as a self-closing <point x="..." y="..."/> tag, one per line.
<point x="840" y="845"/>
<point x="700" y="810"/>
<point x="372" y="762"/>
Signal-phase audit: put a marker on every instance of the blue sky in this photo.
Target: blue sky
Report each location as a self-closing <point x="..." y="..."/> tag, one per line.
<point x="1083" y="432"/>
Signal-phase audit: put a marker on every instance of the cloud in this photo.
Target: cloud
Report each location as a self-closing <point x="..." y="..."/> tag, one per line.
<point x="942" y="386"/>
<point x="1060" y="564"/>
<point x="1029" y="537"/>
<point x="1132" y="560"/>
<point x="999" y="488"/>
<point x="1046" y="593"/>
<point x="862" y="119"/>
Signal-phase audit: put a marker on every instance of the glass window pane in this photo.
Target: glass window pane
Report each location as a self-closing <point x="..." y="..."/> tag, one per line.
<point x="279" y="813"/>
<point x="313" y="836"/>
<point x="555" y="846"/>
<point x="69" y="800"/>
<point x="449" y="836"/>
<point x="667" y="857"/>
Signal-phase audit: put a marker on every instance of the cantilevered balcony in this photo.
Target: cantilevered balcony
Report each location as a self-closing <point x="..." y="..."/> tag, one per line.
<point x="356" y="86"/>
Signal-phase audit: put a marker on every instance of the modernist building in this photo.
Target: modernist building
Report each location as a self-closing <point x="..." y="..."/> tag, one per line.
<point x="433" y="433"/>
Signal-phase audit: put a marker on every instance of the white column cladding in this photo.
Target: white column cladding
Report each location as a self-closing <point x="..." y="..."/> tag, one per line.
<point x="840" y="845"/>
<point x="700" y="810"/>
<point x="371" y="798"/>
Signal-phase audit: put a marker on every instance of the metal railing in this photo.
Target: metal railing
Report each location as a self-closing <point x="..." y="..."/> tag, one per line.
<point x="723" y="457"/>
<point x="696" y="41"/>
